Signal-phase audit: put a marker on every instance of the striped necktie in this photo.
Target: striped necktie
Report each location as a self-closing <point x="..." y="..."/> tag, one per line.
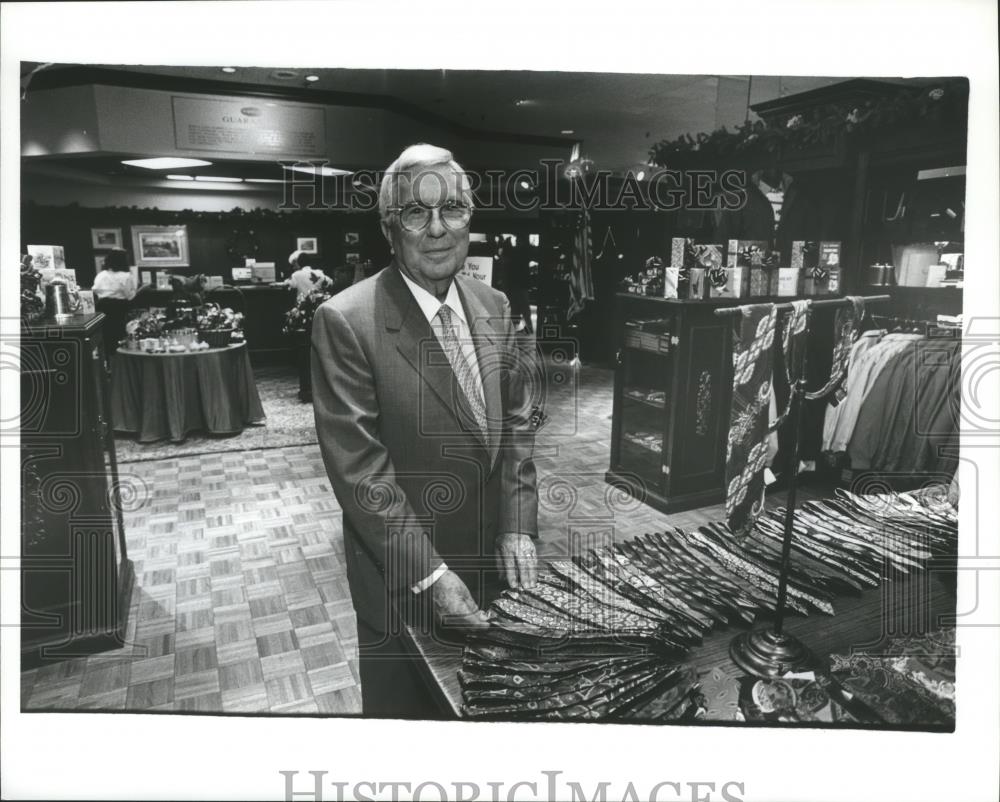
<point x="463" y="370"/>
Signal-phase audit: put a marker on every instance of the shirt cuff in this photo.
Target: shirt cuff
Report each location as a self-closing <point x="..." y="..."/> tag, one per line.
<point x="427" y="581"/>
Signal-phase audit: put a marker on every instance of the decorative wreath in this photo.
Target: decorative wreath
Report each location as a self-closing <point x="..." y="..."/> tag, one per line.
<point x="241" y="244"/>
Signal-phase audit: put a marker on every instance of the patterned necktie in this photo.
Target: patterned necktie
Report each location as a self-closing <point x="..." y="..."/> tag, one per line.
<point x="463" y="370"/>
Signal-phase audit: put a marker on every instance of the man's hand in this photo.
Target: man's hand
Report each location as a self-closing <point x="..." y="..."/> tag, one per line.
<point x="517" y="560"/>
<point x="454" y="606"/>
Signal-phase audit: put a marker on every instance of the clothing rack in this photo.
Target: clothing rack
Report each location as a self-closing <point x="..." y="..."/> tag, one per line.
<point x="770" y="651"/>
<point x="926" y="327"/>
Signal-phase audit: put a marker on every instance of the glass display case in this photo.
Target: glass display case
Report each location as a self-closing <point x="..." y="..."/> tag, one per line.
<point x="673" y="383"/>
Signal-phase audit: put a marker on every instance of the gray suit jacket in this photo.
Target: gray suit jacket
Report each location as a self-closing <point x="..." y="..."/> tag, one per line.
<point x="416" y="481"/>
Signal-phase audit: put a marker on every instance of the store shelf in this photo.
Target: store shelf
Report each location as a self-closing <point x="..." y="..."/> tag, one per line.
<point x="644" y="400"/>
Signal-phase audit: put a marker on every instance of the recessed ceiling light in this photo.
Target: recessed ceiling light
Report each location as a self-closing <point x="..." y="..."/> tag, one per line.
<point x="318" y="170"/>
<point x="181" y="177"/>
<point x="219" y="179"/>
<point x="566" y="131"/>
<point x="264" y="180"/>
<point x="312" y="78"/>
<point x="640" y="175"/>
<point x="525" y="102"/>
<point x="525" y="184"/>
<point x="229" y="69"/>
<point x="165" y="163"/>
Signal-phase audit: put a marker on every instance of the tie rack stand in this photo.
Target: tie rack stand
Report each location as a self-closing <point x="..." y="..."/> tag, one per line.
<point x="770" y="651"/>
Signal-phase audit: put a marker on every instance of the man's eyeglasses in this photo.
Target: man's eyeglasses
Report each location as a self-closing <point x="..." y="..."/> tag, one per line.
<point x="416" y="216"/>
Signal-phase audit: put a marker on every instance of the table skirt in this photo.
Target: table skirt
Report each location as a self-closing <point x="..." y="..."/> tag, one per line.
<point x="168" y="396"/>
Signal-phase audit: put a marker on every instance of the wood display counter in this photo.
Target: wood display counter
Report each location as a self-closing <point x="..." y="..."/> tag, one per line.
<point x="263" y="319"/>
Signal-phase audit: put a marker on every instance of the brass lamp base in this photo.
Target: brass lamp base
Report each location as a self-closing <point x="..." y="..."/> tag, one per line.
<point x="765" y="653"/>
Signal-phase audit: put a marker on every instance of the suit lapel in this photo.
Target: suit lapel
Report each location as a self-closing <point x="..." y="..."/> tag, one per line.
<point x="419" y="346"/>
<point x="488" y="354"/>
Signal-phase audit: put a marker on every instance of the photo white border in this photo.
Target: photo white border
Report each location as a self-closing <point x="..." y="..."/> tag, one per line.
<point x="133" y="756"/>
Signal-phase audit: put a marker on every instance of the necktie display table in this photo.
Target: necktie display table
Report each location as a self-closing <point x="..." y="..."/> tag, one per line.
<point x="168" y="396"/>
<point x="550" y="657"/>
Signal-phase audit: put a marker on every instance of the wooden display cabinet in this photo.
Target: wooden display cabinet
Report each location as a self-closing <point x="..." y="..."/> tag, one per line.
<point x="673" y="385"/>
<point x="76" y="578"/>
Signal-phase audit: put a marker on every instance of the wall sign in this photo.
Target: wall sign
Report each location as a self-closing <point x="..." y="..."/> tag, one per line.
<point x="478" y="267"/>
<point x="248" y="125"/>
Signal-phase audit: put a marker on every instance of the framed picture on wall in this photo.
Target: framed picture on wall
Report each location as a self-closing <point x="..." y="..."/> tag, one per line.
<point x="106" y="238"/>
<point x="307" y="244"/>
<point x="351" y="238"/>
<point x="352" y="258"/>
<point x="160" y="246"/>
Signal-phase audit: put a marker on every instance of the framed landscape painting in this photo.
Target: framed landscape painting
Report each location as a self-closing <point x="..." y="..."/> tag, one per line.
<point x="160" y="246"/>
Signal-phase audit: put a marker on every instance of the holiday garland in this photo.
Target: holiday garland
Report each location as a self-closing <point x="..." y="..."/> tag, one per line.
<point x="823" y="124"/>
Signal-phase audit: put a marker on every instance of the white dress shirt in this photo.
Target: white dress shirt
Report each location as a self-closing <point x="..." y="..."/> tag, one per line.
<point x="430" y="305"/>
<point x="114" y="284"/>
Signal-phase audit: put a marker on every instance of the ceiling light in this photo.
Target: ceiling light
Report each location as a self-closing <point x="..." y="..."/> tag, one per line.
<point x="181" y="177"/>
<point x="229" y="70"/>
<point x="219" y="179"/>
<point x="525" y="184"/>
<point x="525" y="102"/>
<point x="264" y="180"/>
<point x="318" y="170"/>
<point x="566" y="131"/>
<point x="640" y="175"/>
<point x="312" y="78"/>
<point x="165" y="163"/>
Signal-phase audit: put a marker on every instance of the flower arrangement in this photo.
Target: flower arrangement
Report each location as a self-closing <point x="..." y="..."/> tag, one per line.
<point x="146" y="325"/>
<point x="216" y="324"/>
<point x="32" y="305"/>
<point x="299" y="318"/>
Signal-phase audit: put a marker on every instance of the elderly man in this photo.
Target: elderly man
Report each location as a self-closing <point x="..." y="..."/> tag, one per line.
<point x="422" y="413"/>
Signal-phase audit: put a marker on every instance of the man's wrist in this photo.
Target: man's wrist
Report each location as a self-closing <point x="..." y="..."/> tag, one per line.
<point x="427" y="581"/>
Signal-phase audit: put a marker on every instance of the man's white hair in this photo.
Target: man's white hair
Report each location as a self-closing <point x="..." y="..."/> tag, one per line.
<point x="414" y="157"/>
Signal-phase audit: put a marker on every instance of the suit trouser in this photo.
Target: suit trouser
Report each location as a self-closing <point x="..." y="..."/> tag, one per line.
<point x="392" y="685"/>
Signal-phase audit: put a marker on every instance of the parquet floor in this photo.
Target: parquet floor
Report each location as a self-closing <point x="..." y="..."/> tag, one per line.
<point x="241" y="602"/>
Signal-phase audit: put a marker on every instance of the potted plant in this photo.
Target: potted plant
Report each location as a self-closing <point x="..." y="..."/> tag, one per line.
<point x="298" y="324"/>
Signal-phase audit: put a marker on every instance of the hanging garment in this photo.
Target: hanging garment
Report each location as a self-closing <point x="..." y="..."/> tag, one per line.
<point x="871" y="362"/>
<point x="928" y="417"/>
<point x="581" y="279"/>
<point x="856" y="377"/>
<point x="846" y="323"/>
<point x="890" y="402"/>
<point x="746" y="448"/>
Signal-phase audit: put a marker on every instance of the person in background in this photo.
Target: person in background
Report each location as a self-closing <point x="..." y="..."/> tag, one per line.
<point x="518" y="277"/>
<point x="115" y="280"/>
<point x="304" y="278"/>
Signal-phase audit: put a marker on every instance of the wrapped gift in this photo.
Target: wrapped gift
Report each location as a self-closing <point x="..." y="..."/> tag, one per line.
<point x="829" y="255"/>
<point x="697" y="283"/>
<point x="681" y="252"/>
<point x="788" y="281"/>
<point x="820" y="281"/>
<point x="805" y="254"/>
<point x="746" y="253"/>
<point x="737" y="284"/>
<point x="671" y="282"/>
<point x="763" y="282"/>
<point x="709" y="256"/>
